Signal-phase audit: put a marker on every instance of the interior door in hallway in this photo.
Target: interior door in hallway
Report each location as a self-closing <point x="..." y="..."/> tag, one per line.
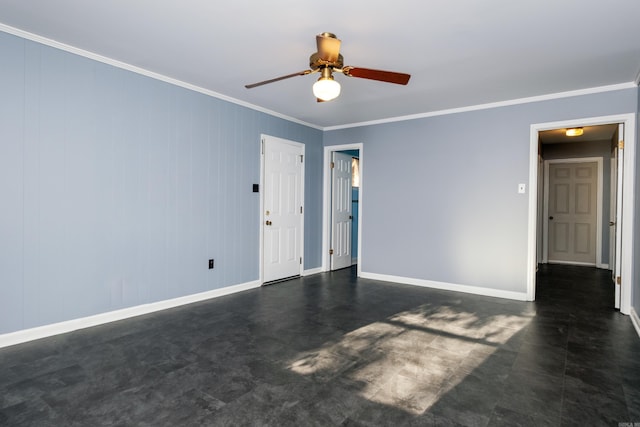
<point x="573" y="212"/>
<point x="341" y="215"/>
<point x="283" y="208"/>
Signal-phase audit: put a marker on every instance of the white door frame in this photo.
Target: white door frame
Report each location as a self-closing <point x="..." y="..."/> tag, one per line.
<point x="261" y="188"/>
<point x="545" y="202"/>
<point x="326" y="195"/>
<point x="628" y="191"/>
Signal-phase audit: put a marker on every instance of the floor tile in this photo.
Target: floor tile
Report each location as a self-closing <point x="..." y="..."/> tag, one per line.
<point x="594" y="410"/>
<point x="332" y="349"/>
<point x="541" y="360"/>
<point x="535" y="395"/>
<point x="502" y="417"/>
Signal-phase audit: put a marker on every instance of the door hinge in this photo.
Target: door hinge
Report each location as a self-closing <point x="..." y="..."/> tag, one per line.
<point x="301" y="158"/>
<point x="330" y="251"/>
<point x="333" y="165"/>
<point x="300" y="209"/>
<point x="618" y="280"/>
<point x="262" y="146"/>
<point x="300" y="260"/>
<point x="621" y="145"/>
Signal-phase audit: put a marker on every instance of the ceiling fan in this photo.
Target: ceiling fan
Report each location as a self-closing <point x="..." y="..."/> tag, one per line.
<point x="328" y="60"/>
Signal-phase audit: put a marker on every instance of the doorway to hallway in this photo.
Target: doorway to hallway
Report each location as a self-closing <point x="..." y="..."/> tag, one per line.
<point x="624" y="188"/>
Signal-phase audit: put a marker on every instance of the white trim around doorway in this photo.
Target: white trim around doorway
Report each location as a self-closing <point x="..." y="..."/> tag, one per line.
<point x="628" y="191"/>
<point x="326" y="198"/>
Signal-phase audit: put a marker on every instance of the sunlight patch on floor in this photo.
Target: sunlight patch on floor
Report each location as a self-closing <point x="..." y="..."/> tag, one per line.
<point x="414" y="357"/>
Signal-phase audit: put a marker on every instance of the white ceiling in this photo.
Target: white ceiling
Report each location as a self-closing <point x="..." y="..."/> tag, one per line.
<point x="460" y="53"/>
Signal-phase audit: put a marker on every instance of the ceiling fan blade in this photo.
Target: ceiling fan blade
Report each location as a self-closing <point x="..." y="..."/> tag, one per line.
<point x="328" y="47"/>
<point x="383" y="76"/>
<point x="300" y="73"/>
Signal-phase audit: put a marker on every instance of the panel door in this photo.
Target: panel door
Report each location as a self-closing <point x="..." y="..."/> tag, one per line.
<point x="282" y="239"/>
<point x="573" y="212"/>
<point x="341" y="215"/>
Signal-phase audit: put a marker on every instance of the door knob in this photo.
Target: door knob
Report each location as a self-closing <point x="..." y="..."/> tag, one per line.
<point x="612" y="223"/>
<point x="550" y="217"/>
<point x="269" y="223"/>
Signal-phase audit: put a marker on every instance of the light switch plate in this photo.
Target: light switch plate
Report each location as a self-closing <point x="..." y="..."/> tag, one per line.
<point x="522" y="188"/>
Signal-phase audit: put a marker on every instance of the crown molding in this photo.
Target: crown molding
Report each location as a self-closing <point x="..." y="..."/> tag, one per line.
<point x="487" y="106"/>
<point x="147" y="73"/>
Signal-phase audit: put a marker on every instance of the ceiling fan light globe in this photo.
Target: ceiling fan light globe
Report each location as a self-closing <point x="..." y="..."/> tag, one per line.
<point x="326" y="89"/>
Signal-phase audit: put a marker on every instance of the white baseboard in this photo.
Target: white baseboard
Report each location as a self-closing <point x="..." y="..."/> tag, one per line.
<point x="312" y="271"/>
<point x="25" y="335"/>
<point x="519" y="296"/>
<point x="354" y="261"/>
<point x="603" y="266"/>
<point x="635" y="320"/>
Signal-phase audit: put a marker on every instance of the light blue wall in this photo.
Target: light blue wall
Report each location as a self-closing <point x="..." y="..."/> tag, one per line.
<point x="116" y="188"/>
<point x="445" y="189"/>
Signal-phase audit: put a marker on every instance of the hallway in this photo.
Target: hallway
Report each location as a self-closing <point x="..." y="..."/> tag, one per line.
<point x="575" y="321"/>
<point x="332" y="349"/>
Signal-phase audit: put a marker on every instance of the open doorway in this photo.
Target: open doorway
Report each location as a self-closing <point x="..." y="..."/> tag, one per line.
<point x="342" y="213"/>
<point x="572" y="178"/>
<point x="575" y="196"/>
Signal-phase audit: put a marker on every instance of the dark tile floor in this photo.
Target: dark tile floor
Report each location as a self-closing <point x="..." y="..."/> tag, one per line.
<point x="331" y="349"/>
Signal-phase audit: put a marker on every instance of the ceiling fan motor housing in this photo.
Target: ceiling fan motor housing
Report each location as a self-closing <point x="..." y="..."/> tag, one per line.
<point x="315" y="62"/>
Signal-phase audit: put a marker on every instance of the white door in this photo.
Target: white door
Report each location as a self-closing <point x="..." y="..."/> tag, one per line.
<point x="573" y="212"/>
<point x="613" y="181"/>
<point x="282" y="219"/>
<point x="617" y="215"/>
<point x="341" y="214"/>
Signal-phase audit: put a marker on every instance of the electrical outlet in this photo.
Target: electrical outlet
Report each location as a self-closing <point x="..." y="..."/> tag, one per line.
<point x="210" y="264"/>
<point x="522" y="188"/>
